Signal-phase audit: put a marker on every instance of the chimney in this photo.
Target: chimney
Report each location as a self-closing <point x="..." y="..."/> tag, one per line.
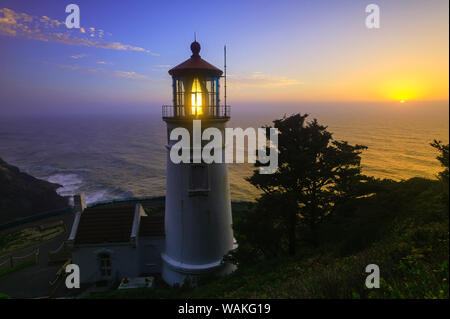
<point x="79" y="203"/>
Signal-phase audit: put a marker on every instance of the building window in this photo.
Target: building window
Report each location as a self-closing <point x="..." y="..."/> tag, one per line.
<point x="105" y="265"/>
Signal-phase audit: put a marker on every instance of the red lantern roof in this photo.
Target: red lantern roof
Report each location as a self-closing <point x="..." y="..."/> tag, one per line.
<point x="195" y="65"/>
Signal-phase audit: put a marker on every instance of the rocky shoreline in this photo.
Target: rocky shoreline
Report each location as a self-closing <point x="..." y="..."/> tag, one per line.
<point x="22" y="195"/>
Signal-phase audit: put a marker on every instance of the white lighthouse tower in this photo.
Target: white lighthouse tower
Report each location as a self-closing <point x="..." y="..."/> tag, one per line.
<point x="198" y="221"/>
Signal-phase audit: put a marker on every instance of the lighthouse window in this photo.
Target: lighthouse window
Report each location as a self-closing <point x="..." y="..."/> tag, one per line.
<point x="179" y="92"/>
<point x="199" y="178"/>
<point x="211" y="87"/>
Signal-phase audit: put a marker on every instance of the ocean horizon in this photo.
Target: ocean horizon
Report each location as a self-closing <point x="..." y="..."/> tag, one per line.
<point x="110" y="156"/>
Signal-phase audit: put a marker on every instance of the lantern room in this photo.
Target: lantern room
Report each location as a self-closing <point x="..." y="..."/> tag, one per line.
<point x="195" y="85"/>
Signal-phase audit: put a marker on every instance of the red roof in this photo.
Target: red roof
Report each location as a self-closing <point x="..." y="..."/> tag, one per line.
<point x="195" y="64"/>
<point x="113" y="223"/>
<point x="152" y="226"/>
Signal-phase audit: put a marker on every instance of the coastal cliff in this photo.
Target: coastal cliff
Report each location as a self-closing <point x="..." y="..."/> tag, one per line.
<point x="22" y="195"/>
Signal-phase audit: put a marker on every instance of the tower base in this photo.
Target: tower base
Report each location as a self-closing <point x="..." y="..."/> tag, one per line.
<point x="175" y="272"/>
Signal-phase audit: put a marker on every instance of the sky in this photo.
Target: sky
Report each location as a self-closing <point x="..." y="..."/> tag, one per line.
<point x="277" y="52"/>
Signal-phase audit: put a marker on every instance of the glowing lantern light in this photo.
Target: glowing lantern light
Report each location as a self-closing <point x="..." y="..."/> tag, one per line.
<point x="196" y="98"/>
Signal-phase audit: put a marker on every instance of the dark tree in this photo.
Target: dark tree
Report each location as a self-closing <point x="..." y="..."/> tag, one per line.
<point x="443" y="158"/>
<point x="261" y="230"/>
<point x="315" y="175"/>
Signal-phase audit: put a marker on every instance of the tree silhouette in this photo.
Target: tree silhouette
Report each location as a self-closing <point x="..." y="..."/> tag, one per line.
<point x="315" y="175"/>
<point x="443" y="158"/>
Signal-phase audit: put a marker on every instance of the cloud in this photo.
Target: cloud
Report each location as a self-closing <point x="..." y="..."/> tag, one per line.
<point x="43" y="28"/>
<point x="163" y="66"/>
<point x="259" y="79"/>
<point x="78" y="56"/>
<point x="130" y="75"/>
<point x="103" y="62"/>
<point x="68" y="67"/>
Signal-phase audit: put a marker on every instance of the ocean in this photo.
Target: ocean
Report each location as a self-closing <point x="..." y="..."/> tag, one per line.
<point x="110" y="156"/>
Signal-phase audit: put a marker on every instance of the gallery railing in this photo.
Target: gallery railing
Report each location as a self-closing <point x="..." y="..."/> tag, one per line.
<point x="181" y="111"/>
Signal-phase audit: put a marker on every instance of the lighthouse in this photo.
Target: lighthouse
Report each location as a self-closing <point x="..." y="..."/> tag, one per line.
<point x="198" y="221"/>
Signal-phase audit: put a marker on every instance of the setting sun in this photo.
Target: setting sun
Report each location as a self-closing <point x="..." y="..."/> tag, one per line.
<point x="403" y="89"/>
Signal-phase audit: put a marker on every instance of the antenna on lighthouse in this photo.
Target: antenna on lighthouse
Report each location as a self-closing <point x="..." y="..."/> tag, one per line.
<point x="225" y="75"/>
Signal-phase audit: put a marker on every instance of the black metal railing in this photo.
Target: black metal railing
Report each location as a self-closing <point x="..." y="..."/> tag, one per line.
<point x="181" y="111"/>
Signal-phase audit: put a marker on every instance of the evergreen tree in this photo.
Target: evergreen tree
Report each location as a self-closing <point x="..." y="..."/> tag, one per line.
<point x="315" y="175"/>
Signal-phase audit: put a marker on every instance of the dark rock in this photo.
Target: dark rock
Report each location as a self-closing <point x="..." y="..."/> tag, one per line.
<point x="22" y="195"/>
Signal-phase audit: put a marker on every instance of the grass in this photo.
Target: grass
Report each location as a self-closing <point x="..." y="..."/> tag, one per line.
<point x="28" y="237"/>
